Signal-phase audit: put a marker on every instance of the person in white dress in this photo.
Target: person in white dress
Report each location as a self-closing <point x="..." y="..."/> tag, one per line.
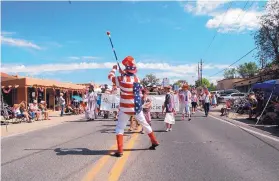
<point x="169" y="109"/>
<point x="91" y="98"/>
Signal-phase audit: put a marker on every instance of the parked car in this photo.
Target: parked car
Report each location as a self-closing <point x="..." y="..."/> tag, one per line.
<point x="224" y="98"/>
<point x="228" y="92"/>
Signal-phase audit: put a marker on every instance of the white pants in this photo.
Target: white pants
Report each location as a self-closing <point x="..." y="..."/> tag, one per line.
<point x="187" y="109"/>
<point x="124" y="118"/>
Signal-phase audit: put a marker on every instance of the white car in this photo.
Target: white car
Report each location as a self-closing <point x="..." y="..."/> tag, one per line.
<point x="234" y="96"/>
<point x="217" y="93"/>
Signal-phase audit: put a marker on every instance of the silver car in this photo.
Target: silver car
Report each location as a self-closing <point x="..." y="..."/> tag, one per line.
<point x="223" y="99"/>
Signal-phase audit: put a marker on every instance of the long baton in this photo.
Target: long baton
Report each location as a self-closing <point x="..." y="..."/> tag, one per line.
<point x="108" y="33"/>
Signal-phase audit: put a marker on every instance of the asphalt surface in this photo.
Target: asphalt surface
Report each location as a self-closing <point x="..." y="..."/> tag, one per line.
<point x="202" y="149"/>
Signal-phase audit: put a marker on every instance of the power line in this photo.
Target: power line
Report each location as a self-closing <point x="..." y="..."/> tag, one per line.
<point x="244" y="8"/>
<point x="235" y="61"/>
<point x="218" y="27"/>
<point x="244" y="14"/>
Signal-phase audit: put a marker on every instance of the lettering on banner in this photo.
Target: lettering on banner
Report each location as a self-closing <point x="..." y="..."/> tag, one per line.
<point x="111" y="102"/>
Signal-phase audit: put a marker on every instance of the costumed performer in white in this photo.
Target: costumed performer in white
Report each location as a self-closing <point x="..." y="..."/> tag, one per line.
<point x="91" y="98"/>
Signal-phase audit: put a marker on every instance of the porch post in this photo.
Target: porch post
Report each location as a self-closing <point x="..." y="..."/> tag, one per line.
<point x="45" y="94"/>
<point x="26" y="95"/>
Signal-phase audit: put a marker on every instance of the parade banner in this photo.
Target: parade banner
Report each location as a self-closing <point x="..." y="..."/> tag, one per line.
<point x="176" y="103"/>
<point x="166" y="82"/>
<point x="110" y="102"/>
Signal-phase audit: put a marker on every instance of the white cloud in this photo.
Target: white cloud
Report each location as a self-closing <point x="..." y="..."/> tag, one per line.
<point x="202" y="7"/>
<point x="214" y="79"/>
<point x="183" y="71"/>
<point x="5" y="33"/>
<point x="6" y="39"/>
<point x="74" y="58"/>
<point x="84" y="58"/>
<point x="235" y="20"/>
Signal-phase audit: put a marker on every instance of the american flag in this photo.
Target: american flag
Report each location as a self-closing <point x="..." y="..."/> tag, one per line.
<point x="137" y="97"/>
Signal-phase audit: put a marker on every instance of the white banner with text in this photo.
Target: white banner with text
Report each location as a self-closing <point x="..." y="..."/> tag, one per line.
<point x="110" y="102"/>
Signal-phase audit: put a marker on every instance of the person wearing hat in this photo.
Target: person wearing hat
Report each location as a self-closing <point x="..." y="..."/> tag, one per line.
<point x="62" y="103"/>
<point x="91" y="97"/>
<point x="169" y="108"/>
<point x="130" y="102"/>
<point x="146" y="104"/>
<point x="253" y="104"/>
<point x="186" y="101"/>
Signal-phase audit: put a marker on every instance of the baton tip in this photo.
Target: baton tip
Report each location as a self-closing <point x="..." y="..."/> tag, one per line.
<point x="108" y="33"/>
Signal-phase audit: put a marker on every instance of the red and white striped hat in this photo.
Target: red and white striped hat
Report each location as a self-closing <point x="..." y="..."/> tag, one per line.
<point x="130" y="64"/>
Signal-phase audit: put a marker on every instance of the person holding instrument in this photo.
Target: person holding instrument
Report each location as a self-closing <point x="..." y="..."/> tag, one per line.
<point x="130" y="102"/>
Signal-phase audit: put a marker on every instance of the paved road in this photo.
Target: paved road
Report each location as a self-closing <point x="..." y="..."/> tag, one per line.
<point x="202" y="149"/>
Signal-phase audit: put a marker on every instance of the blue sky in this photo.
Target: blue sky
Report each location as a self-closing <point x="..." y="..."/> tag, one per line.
<point x="68" y="42"/>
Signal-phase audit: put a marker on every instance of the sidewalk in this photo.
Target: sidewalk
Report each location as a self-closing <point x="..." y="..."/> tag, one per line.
<point x="13" y="129"/>
<point x="242" y="121"/>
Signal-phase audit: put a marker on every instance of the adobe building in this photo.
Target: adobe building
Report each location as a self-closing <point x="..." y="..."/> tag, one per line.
<point x="227" y="83"/>
<point x="16" y="89"/>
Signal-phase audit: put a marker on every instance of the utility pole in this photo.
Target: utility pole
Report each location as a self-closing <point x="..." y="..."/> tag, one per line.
<point x="201" y="72"/>
<point x="198" y="71"/>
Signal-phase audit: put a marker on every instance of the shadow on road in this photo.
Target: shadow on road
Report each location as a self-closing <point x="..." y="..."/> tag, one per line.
<point x="86" y="151"/>
<point x="159" y="131"/>
<point x="109" y="125"/>
<point x="96" y="120"/>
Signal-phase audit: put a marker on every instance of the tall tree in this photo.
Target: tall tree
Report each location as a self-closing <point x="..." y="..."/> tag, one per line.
<point x="180" y="82"/>
<point x="212" y="87"/>
<point x="150" y="79"/>
<point x="267" y="37"/>
<point x="230" y="73"/>
<point x="205" y="83"/>
<point x="247" y="70"/>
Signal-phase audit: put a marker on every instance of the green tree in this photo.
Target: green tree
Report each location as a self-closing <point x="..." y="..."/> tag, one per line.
<point x="180" y="82"/>
<point x="247" y="70"/>
<point x="212" y="87"/>
<point x="230" y="73"/>
<point x="205" y="83"/>
<point x="267" y="37"/>
<point x="150" y="79"/>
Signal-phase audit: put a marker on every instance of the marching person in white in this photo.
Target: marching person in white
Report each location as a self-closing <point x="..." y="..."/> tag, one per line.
<point x="186" y="94"/>
<point x="170" y="109"/>
<point x="91" y="98"/>
<point x="181" y="103"/>
<point x="207" y="100"/>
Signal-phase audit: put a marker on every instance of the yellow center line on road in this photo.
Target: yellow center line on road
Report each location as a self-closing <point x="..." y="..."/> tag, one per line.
<point x="119" y="165"/>
<point x="98" y="166"/>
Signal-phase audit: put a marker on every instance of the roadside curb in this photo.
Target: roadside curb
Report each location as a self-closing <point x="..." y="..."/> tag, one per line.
<point x="31" y="130"/>
<point x="41" y="127"/>
<point x="246" y="127"/>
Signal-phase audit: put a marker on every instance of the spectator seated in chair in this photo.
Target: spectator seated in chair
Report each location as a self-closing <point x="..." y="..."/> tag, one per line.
<point x="20" y="111"/>
<point x="81" y="108"/>
<point x="225" y="110"/>
<point x="253" y="104"/>
<point x="69" y="109"/>
<point x="34" y="110"/>
<point x="43" y="108"/>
